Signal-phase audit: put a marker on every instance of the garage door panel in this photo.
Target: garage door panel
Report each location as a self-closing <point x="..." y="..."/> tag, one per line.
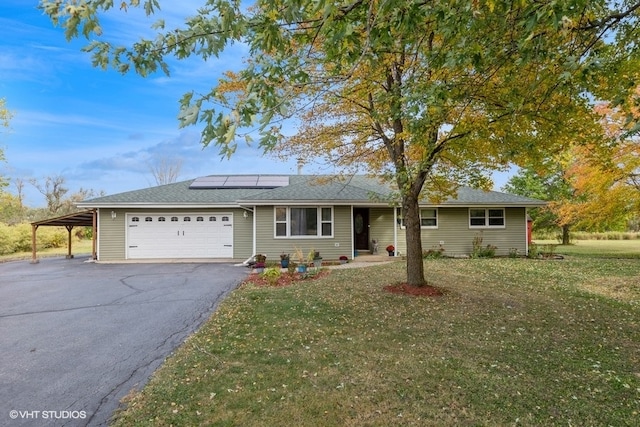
<point x="179" y="236"/>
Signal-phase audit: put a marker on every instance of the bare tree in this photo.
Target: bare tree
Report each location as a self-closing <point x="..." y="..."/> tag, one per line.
<point x="59" y="202"/>
<point x="53" y="190"/>
<point x="165" y="170"/>
<point x="19" y="183"/>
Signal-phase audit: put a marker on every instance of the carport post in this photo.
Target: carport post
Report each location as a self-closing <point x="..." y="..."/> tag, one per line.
<point x="69" y="228"/>
<point x="34" y="259"/>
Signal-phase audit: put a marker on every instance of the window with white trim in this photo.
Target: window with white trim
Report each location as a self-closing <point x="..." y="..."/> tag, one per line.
<point x="429" y="218"/>
<point x="298" y="222"/>
<point x="491" y="217"/>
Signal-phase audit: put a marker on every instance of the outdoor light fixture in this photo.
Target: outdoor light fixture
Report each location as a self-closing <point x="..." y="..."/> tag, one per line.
<point x="113" y="214"/>
<point x="245" y="214"/>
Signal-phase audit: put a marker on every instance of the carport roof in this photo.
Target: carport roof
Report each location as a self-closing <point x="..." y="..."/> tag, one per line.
<point x="83" y="218"/>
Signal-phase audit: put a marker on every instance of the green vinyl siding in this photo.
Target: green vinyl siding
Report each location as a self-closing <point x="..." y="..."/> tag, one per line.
<point x="381" y="228"/>
<point x="111" y="235"/>
<point x="453" y="230"/>
<point x="112" y="232"/>
<point x="272" y="247"/>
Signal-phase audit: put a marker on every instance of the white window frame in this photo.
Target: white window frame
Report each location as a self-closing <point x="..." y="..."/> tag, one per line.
<point x="427" y="227"/>
<point x="487" y="218"/>
<point x="431" y="227"/>
<point x="287" y="221"/>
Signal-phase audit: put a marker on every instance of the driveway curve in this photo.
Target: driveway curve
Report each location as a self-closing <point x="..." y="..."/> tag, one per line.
<point x="77" y="336"/>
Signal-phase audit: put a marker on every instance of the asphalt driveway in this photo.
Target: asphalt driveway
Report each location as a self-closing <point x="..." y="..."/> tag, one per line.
<point x="76" y="336"/>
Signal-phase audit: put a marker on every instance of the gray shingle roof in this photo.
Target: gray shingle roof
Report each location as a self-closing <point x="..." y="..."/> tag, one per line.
<point x="301" y="189"/>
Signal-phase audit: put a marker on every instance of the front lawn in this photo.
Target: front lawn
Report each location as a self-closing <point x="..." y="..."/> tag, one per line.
<point x="512" y="342"/>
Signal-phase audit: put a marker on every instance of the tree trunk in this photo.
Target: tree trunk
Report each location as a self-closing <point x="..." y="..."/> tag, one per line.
<point x="566" y="238"/>
<point x="415" y="264"/>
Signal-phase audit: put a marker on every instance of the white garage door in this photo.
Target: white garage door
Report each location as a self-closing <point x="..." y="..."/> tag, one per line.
<point x="179" y="235"/>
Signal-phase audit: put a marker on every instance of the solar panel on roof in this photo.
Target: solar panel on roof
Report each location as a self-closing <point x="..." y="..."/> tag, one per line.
<point x="275" y="181"/>
<point x="240" y="181"/>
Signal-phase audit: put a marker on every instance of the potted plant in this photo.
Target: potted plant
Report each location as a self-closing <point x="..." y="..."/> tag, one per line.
<point x="259" y="267"/>
<point x="391" y="249"/>
<point x="302" y="267"/>
<point x="284" y="260"/>
<point x="317" y="259"/>
<point x="260" y="263"/>
<point x="343" y="259"/>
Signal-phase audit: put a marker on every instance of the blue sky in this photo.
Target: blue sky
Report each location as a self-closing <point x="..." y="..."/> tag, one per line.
<point x="99" y="129"/>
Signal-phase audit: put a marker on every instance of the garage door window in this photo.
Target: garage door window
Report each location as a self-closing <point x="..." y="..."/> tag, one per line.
<point x="199" y="219"/>
<point x="187" y="219"/>
<point x="135" y="219"/>
<point x="212" y="218"/>
<point x="161" y="219"/>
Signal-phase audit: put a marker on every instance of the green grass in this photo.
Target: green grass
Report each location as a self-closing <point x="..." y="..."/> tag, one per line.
<point x="513" y="342"/>
<point x="597" y="248"/>
<point x="77" y="247"/>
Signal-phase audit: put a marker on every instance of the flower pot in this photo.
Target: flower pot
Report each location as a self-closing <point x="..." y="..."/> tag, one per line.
<point x="391" y="253"/>
<point x="343" y="261"/>
<point x="259" y="270"/>
<point x="301" y="268"/>
<point x="284" y="263"/>
<point x="317" y="263"/>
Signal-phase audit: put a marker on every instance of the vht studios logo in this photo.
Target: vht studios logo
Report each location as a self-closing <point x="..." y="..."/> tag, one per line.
<point x="48" y="415"/>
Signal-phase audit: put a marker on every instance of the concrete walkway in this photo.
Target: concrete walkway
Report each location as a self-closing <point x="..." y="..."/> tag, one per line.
<point x="366" y="261"/>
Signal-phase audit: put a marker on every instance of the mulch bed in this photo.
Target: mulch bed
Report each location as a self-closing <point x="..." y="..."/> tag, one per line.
<point x="285" y="279"/>
<point x="416" y="291"/>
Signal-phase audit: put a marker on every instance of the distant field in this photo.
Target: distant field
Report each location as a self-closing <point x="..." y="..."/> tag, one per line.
<point x="598" y="248"/>
<point x="77" y="248"/>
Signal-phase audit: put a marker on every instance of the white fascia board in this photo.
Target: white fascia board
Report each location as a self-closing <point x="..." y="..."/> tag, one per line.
<point x="312" y="203"/>
<point x="156" y="206"/>
<point x="486" y="205"/>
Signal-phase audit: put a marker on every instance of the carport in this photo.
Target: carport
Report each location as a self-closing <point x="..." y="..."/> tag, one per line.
<point x="78" y="219"/>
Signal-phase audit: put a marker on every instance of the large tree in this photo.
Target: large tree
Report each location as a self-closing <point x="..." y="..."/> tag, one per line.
<point x="606" y="176"/>
<point x="423" y="91"/>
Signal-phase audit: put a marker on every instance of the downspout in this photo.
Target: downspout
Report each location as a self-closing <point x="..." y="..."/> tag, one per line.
<point x="352" y="243"/>
<point x="526" y="232"/>
<point x="395" y="230"/>
<point x="255" y="237"/>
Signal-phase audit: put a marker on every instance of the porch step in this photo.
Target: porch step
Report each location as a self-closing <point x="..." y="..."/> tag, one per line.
<point x="368" y="257"/>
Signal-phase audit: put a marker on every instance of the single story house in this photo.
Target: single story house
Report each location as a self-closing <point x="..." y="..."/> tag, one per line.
<point x="238" y="216"/>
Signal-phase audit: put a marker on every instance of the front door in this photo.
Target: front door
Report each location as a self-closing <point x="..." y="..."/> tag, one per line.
<point x="361" y="229"/>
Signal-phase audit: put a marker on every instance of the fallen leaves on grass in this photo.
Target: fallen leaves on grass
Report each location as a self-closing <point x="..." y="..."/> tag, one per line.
<point x="417" y="291"/>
